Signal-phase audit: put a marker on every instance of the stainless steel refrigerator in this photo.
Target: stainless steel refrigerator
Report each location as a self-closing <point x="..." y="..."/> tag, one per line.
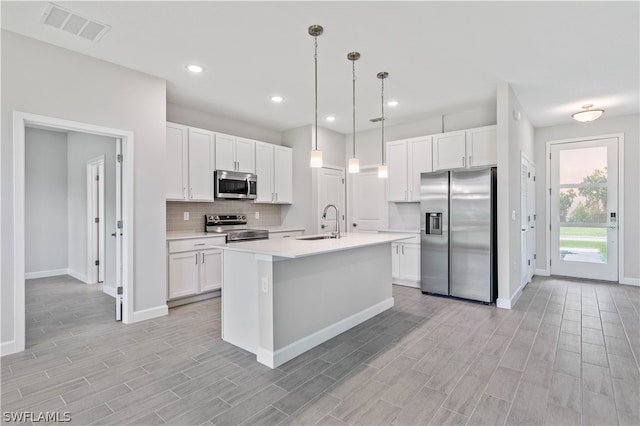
<point x="458" y="234"/>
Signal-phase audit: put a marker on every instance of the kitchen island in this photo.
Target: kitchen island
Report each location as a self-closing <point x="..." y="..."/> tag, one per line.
<point x="283" y="297"/>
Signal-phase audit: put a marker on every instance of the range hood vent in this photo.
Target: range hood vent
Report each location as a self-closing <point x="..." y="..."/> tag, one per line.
<point x="64" y="19"/>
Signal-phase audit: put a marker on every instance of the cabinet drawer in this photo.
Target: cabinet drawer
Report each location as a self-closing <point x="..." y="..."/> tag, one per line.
<point x="177" y="246"/>
<point x="291" y="234"/>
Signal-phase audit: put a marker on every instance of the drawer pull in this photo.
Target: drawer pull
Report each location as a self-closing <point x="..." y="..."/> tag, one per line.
<point x="200" y="244"/>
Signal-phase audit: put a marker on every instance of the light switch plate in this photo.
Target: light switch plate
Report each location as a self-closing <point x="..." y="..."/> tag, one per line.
<point x="265" y="285"/>
<point x="257" y="215"/>
<point x="186" y="215"/>
<point x="513" y="215"/>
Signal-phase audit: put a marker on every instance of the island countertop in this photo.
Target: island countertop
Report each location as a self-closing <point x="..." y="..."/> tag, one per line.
<point x="295" y="248"/>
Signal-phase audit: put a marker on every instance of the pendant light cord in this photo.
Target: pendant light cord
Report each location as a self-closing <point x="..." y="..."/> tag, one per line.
<point x="315" y="59"/>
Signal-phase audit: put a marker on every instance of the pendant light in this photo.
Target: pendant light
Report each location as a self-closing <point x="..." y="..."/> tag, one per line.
<point x="382" y="168"/>
<point x="354" y="163"/>
<point x="587" y="114"/>
<point x="316" y="154"/>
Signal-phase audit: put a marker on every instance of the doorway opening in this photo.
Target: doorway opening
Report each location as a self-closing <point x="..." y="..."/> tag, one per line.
<point x="584" y="210"/>
<point x="124" y="205"/>
<point x="96" y="219"/>
<point x="527" y="220"/>
<point x="331" y="190"/>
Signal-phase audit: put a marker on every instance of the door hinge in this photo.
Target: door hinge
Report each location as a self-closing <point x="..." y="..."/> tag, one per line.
<point x="549" y="191"/>
<point x="119" y="290"/>
<point x="535" y="256"/>
<point x="343" y="181"/>
<point x="528" y="174"/>
<point x="96" y="220"/>
<point x="529" y="262"/>
<point x="549" y="156"/>
<point x="119" y="224"/>
<point x="535" y="216"/>
<point x="549" y="227"/>
<point x="119" y="158"/>
<point x="97" y="263"/>
<point x="534" y="178"/>
<point x="98" y="177"/>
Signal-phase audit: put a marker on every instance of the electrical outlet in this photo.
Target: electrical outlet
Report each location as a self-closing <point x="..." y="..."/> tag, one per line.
<point x="513" y="215"/>
<point x="257" y="215"/>
<point x="265" y="285"/>
<point x="186" y="215"/>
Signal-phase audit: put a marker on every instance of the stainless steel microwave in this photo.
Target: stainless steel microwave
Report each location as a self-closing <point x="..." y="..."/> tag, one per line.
<point x="235" y="185"/>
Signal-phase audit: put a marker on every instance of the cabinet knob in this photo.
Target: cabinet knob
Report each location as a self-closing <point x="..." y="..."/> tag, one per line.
<point x="354" y="225"/>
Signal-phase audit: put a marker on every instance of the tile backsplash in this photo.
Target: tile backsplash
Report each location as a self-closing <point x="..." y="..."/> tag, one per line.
<point x="269" y="213"/>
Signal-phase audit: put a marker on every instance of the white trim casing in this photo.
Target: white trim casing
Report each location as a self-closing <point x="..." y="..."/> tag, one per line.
<point x="630" y="281"/>
<point x="621" y="213"/>
<point x="20" y="121"/>
<point x="509" y="303"/>
<point x="150" y="313"/>
<point x="543" y="272"/>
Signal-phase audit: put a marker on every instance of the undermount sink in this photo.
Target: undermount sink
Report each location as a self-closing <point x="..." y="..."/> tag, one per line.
<point x="316" y="237"/>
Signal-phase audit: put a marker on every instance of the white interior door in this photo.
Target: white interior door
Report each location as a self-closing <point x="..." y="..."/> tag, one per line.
<point x="531" y="220"/>
<point x="527" y="220"/>
<point x="368" y="204"/>
<point x="95" y="220"/>
<point x="330" y="191"/>
<point x="584" y="206"/>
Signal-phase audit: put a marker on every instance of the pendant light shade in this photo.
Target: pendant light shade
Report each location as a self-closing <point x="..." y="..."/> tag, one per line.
<point x="354" y="163"/>
<point x="316" y="154"/>
<point x="383" y="173"/>
<point x="587" y="114"/>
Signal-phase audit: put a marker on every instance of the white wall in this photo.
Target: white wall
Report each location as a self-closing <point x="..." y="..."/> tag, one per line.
<point x="190" y="117"/>
<point x="45" y="202"/>
<point x="43" y="79"/>
<point x="304" y="210"/>
<point x="80" y="148"/>
<point x="629" y="125"/>
<point x="515" y="136"/>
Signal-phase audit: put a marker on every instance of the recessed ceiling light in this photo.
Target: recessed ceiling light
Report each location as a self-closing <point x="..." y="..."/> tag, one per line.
<point x="330" y="118"/>
<point x="393" y="103"/>
<point x="277" y="99"/>
<point x="195" y="68"/>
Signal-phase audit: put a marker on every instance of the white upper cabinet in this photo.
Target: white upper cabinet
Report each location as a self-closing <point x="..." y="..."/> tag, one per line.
<point x="449" y="151"/>
<point x="482" y="146"/>
<point x="465" y="149"/>
<point x="201" y="152"/>
<point x="283" y="174"/>
<point x="406" y="160"/>
<point x="235" y="154"/>
<point x="177" y="162"/>
<point x="274" y="169"/>
<point x="189" y="163"/>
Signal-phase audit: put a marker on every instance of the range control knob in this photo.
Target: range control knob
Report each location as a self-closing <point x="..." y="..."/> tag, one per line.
<point x="242" y="217"/>
<point x="216" y="218"/>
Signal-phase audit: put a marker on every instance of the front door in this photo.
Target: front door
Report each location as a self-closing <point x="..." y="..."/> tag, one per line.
<point x="584" y="206"/>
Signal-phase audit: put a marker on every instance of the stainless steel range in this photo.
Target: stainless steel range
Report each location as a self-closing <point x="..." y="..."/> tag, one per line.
<point x="234" y="226"/>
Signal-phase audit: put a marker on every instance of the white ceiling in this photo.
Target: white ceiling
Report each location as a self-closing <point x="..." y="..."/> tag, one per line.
<point x="442" y="57"/>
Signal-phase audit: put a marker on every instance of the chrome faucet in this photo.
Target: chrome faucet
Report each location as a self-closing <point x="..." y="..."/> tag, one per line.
<point x="336" y="233"/>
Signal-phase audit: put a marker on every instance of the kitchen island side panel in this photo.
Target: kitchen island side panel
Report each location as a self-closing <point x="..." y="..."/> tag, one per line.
<point x="314" y="293"/>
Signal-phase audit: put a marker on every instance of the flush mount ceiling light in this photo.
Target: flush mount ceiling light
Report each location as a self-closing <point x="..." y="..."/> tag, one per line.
<point x="382" y="168"/>
<point x="316" y="155"/>
<point x="330" y="118"/>
<point x="393" y="103"/>
<point x="277" y="99"/>
<point x="354" y="163"/>
<point x="194" y="68"/>
<point x="587" y="114"/>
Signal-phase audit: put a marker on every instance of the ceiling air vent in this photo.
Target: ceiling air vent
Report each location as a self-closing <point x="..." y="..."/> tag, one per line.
<point x="73" y="23"/>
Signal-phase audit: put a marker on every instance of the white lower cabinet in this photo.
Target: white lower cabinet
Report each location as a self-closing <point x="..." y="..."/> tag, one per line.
<point x="194" y="270"/>
<point x="405" y="262"/>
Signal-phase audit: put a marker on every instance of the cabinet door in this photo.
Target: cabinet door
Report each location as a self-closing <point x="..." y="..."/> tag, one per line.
<point x="395" y="261"/>
<point x="449" y="151"/>
<point x="482" y="146"/>
<point x="420" y="161"/>
<point x="183" y="274"/>
<point x="225" y="152"/>
<point x="176" y="162"/>
<point x="283" y="175"/>
<point x="245" y="155"/>
<point x="264" y="171"/>
<point x="210" y="270"/>
<point x="410" y="262"/>
<point x="397" y="164"/>
<point x="200" y="165"/>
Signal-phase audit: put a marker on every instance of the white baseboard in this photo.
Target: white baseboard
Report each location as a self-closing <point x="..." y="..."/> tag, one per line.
<point x="111" y="291"/>
<point x="543" y="272"/>
<point x="406" y="283"/>
<point x="77" y="275"/>
<point x="45" y="274"/>
<point x="8" y="348"/>
<point x="509" y="303"/>
<point x="150" y="313"/>
<point x="630" y="281"/>
<point x="292" y="350"/>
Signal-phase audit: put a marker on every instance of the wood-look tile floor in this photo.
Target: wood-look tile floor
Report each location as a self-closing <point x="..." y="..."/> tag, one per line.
<point x="567" y="354"/>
